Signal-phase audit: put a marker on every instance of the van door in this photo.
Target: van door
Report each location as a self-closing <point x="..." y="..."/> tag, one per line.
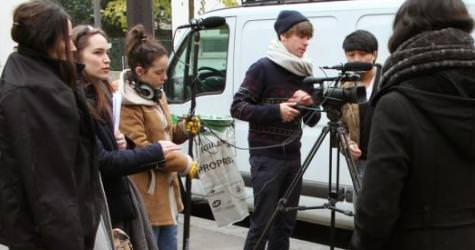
<point x="214" y="65"/>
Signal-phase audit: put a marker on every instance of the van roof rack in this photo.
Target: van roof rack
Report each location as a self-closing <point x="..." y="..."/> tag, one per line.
<point x="277" y="2"/>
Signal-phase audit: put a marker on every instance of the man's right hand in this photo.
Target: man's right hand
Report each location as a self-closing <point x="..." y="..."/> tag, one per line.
<point x="287" y="111"/>
<point x="355" y="151"/>
<point x="168" y="146"/>
<point x="301" y="97"/>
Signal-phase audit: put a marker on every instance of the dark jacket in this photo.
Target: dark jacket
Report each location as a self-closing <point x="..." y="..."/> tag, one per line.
<point x="115" y="165"/>
<point x="49" y="181"/>
<point x="418" y="189"/>
<point x="265" y="86"/>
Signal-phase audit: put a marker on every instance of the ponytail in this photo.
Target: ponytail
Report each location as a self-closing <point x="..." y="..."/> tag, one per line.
<point x="141" y="49"/>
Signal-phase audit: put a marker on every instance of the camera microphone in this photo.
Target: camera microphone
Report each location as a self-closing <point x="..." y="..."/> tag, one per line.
<point x="312" y="80"/>
<point x="352" y="66"/>
<point x="209" y="22"/>
<point x="345" y="77"/>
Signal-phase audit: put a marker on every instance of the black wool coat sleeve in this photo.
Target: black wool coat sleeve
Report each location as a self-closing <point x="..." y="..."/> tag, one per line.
<point x="378" y="206"/>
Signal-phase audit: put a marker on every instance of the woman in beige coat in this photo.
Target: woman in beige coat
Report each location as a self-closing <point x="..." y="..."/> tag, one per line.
<point x="145" y="119"/>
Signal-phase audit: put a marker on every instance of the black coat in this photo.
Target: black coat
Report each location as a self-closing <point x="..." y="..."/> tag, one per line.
<point x="115" y="165"/>
<point x="418" y="190"/>
<point x="366" y="115"/>
<point x="49" y="180"/>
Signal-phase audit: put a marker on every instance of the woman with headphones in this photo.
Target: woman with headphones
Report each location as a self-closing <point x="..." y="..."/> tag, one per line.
<point x="145" y="118"/>
<point x="115" y="161"/>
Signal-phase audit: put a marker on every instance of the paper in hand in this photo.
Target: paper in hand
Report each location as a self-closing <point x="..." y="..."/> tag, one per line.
<point x="116" y="106"/>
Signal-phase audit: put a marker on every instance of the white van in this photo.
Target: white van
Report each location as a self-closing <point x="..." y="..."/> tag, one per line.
<point x="6" y="18"/>
<point x="226" y="53"/>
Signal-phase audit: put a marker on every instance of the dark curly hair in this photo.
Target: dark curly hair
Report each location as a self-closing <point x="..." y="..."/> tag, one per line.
<point x="416" y="16"/>
<point x="141" y="49"/>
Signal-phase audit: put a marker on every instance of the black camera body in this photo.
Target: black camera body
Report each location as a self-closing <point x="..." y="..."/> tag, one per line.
<point x="328" y="93"/>
<point x="337" y="96"/>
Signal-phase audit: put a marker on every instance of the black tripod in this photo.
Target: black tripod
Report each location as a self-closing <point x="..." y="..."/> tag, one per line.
<point x="338" y="141"/>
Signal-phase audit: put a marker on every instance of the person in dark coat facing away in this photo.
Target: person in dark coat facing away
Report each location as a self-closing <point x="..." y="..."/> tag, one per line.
<point x="266" y="99"/>
<point x="50" y="194"/>
<point x="418" y="189"/>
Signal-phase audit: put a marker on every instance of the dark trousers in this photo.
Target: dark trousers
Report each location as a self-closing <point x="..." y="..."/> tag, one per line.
<point x="360" y="168"/>
<point x="270" y="179"/>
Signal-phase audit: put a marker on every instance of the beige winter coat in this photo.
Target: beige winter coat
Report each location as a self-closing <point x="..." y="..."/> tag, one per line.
<point x="351" y="117"/>
<point x="146" y="122"/>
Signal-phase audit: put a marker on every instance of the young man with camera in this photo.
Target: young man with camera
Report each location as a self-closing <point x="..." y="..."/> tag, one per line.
<point x="266" y="99"/>
<point x="360" y="46"/>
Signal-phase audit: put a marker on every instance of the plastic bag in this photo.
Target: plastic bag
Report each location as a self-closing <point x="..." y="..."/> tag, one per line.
<point x="219" y="175"/>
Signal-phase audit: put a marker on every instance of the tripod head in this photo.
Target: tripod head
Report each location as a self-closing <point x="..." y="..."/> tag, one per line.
<point x="333" y="113"/>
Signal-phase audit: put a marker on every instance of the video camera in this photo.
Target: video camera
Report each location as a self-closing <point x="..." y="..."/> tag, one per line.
<point x="334" y="96"/>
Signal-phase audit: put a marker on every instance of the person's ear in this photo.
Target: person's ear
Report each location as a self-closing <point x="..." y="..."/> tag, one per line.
<point x="139" y="71"/>
<point x="375" y="55"/>
<point x="282" y="37"/>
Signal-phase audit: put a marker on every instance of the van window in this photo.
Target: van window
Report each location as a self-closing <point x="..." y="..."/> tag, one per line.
<point x="211" y="66"/>
<point x="380" y="25"/>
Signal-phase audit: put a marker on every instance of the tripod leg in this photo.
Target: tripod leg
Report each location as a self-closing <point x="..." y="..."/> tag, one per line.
<point x="344" y="146"/>
<point x="339" y="141"/>
<point x="283" y="201"/>
<point x="333" y="193"/>
<point x="307" y="161"/>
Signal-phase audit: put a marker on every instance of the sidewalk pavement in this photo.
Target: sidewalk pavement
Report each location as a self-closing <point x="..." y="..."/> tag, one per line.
<point x="205" y="235"/>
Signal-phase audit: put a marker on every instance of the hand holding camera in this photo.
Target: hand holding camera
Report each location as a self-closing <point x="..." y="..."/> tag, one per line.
<point x="288" y="112"/>
<point x="302" y="98"/>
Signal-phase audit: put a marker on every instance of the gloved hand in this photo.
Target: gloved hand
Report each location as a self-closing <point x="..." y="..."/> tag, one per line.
<point x="192" y="125"/>
<point x="193" y="172"/>
<point x="190" y="169"/>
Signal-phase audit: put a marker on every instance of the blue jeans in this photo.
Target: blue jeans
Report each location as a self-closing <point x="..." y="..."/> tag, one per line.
<point x="166" y="237"/>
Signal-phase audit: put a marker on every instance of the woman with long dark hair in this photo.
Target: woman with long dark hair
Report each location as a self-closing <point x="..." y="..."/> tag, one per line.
<point x="116" y="162"/>
<point x="50" y="194"/>
<point x="418" y="189"/>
